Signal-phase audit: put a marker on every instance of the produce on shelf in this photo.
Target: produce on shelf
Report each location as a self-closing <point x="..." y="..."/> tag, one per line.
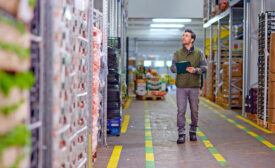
<point x="15" y="82"/>
<point x="97" y="39"/>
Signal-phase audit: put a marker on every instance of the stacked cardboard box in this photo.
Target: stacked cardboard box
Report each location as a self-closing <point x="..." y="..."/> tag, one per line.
<point x="211" y="81"/>
<point x="141" y="87"/>
<point x="236" y="84"/>
<point x="271" y="95"/>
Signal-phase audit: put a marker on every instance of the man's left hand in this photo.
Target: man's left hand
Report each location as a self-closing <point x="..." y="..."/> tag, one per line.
<point x="190" y="69"/>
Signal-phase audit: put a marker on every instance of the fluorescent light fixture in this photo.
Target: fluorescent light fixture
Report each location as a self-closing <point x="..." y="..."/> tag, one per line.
<point x="147" y="63"/>
<point x="166" y="20"/>
<point x="159" y="63"/>
<point x="167" y="25"/>
<point x="164" y="30"/>
<point x="168" y="63"/>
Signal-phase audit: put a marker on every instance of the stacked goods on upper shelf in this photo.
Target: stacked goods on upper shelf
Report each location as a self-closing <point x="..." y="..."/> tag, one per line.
<point x="269" y="18"/>
<point x="114" y="87"/>
<point x="15" y="82"/>
<point x="251" y="104"/>
<point x="97" y="40"/>
<point x="271" y="95"/>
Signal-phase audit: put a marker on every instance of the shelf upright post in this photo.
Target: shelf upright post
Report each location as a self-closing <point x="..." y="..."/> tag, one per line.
<point x="266" y="55"/>
<point x="244" y="57"/>
<point x="230" y="54"/>
<point x="47" y="82"/>
<point x="219" y="57"/>
<point x="211" y="43"/>
<point x="105" y="55"/>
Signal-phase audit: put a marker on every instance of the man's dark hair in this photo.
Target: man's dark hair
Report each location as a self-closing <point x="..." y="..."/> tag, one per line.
<point x="193" y="35"/>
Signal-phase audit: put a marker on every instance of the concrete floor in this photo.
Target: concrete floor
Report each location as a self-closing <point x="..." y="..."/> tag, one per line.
<point x="239" y="149"/>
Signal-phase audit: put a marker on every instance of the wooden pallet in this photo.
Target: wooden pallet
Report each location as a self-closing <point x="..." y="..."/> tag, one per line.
<point x="150" y="97"/>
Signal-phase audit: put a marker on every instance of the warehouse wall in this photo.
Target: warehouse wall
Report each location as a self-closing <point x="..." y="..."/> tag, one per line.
<point x="163" y="8"/>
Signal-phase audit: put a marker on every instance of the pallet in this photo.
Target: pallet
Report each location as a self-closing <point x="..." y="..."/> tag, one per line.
<point x="261" y="123"/>
<point x="252" y="117"/>
<point x="150" y="97"/>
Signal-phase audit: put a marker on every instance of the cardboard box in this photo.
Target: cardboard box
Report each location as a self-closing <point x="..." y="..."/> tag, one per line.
<point x="271" y="115"/>
<point x="271" y="95"/>
<point x="272" y="53"/>
<point x="237" y="69"/>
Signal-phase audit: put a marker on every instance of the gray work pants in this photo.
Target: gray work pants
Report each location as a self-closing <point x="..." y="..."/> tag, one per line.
<point x="184" y="94"/>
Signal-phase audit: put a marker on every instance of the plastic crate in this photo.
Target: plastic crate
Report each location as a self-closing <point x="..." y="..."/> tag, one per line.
<point x="113" y="126"/>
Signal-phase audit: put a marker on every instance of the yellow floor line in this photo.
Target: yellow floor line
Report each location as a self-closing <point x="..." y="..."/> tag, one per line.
<point x="115" y="157"/>
<point x="128" y="103"/>
<point x="213" y="104"/>
<point x="253" y="124"/>
<point x="125" y="123"/>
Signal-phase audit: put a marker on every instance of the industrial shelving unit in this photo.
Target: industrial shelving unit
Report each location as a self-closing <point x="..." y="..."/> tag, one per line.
<point x="225" y="20"/>
<point x="62" y="55"/>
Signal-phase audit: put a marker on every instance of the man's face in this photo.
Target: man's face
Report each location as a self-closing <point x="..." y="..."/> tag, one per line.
<point x="186" y="38"/>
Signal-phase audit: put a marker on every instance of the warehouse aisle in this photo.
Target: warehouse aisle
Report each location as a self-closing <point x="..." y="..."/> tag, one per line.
<point x="223" y="140"/>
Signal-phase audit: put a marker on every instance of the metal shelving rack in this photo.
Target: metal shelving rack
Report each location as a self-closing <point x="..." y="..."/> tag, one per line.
<point x="66" y="83"/>
<point x="35" y="119"/>
<point x="227" y="18"/>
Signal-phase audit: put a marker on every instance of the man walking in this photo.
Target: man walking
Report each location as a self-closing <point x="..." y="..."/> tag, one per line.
<point x="188" y="84"/>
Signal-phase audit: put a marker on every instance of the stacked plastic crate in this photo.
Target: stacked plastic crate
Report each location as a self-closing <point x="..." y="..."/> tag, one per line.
<point x="15" y="82"/>
<point x="114" y="87"/>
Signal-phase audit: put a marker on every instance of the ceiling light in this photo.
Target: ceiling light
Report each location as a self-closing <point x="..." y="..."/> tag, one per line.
<point x="163" y="20"/>
<point x="167" y="25"/>
<point x="162" y="30"/>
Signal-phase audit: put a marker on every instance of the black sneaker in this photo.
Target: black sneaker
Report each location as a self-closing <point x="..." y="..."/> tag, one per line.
<point x="181" y="139"/>
<point x="193" y="136"/>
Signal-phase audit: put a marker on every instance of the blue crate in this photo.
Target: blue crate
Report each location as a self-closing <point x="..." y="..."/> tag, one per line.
<point x="114" y="126"/>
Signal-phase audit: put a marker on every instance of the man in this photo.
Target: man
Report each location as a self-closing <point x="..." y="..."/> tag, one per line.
<point x="188" y="84"/>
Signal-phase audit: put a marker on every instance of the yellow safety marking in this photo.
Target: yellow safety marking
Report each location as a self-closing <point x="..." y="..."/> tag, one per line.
<point x="252" y="134"/>
<point x="115" y="157"/>
<point x="200" y="134"/>
<point x="90" y="150"/>
<point x="188" y="120"/>
<point x="148" y="134"/>
<point x="125" y="123"/>
<point x="210" y="108"/>
<point x="268" y="144"/>
<point x="148" y="144"/>
<point x="216" y="111"/>
<point x="149" y="157"/>
<point x="147" y="120"/>
<point x="208" y="144"/>
<point x="253" y="124"/>
<point x="213" y="104"/>
<point x="128" y="103"/>
<point x="223" y="116"/>
<point x="230" y="120"/>
<point x="219" y="158"/>
<point x="147" y="126"/>
<point x="240" y="126"/>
